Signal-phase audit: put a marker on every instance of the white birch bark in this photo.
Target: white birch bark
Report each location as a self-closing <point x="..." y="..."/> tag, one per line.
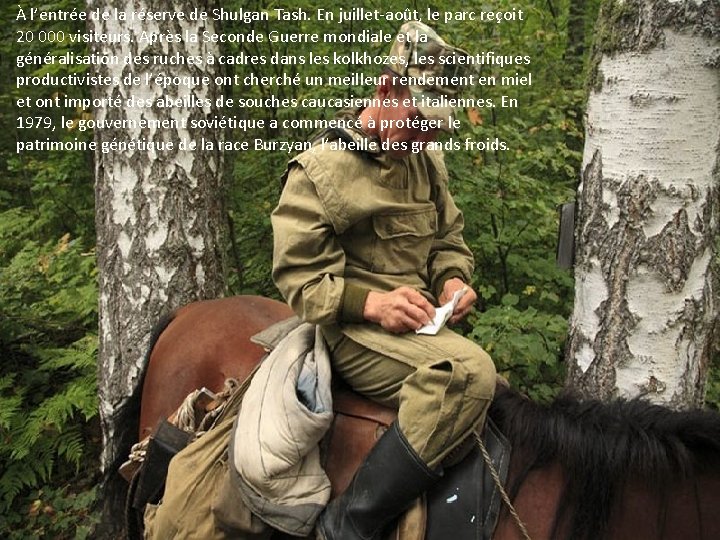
<point x="646" y="300"/>
<point x="159" y="214"/>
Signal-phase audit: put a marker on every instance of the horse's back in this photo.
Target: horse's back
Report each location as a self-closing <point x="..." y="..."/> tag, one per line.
<point x="210" y="332"/>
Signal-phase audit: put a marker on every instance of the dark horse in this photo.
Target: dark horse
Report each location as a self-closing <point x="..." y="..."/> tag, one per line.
<point x="579" y="469"/>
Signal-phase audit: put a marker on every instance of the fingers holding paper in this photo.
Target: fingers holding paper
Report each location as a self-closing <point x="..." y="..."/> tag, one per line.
<point x="401" y="310"/>
<point x="465" y="303"/>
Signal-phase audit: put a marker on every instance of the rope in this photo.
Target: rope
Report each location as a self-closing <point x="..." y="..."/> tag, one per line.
<point x="185" y="417"/>
<point x="222" y="399"/>
<point x="498" y="483"/>
<point x="138" y="451"/>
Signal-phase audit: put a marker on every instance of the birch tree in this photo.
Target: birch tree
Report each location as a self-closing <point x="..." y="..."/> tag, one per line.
<point x="159" y="212"/>
<point x="646" y="301"/>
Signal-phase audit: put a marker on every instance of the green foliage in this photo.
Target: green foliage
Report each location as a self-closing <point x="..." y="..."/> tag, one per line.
<point x="256" y="189"/>
<point x="48" y="392"/>
<point x="48" y="315"/>
<point x="59" y="513"/>
<point x="510" y="199"/>
<point x="525" y="344"/>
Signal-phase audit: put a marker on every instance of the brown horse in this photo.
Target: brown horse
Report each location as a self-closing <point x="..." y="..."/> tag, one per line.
<point x="579" y="470"/>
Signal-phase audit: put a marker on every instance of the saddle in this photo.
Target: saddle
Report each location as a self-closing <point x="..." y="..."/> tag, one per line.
<point x="464" y="504"/>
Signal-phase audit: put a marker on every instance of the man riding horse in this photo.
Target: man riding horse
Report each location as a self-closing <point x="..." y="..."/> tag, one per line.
<point x="368" y="241"/>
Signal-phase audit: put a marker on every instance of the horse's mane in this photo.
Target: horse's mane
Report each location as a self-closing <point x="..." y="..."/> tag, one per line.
<point x="602" y="445"/>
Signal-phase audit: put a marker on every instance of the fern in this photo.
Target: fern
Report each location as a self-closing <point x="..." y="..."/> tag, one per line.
<point x="10" y="405"/>
<point x="48" y="326"/>
<point x="49" y="435"/>
<point x="54" y="414"/>
<point x="48" y="390"/>
<point x="13" y="480"/>
<point x="82" y="393"/>
<point x="71" y="447"/>
<point x="26" y="473"/>
<point x="77" y="357"/>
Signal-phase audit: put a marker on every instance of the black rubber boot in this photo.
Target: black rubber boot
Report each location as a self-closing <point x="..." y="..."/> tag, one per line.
<point x="389" y="480"/>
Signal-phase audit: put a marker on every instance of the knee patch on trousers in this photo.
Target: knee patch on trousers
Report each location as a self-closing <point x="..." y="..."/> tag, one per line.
<point x="442" y="402"/>
<point x="481" y="376"/>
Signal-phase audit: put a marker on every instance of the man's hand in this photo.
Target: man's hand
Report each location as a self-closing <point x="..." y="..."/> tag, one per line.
<point x="465" y="304"/>
<point x="401" y="310"/>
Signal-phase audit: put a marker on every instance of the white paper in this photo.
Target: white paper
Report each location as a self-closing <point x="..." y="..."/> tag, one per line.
<point x="442" y="314"/>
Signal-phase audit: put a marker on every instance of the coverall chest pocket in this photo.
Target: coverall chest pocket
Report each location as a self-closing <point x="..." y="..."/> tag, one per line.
<point x="403" y="240"/>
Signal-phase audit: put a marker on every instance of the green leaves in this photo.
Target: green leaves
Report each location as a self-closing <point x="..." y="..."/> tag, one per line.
<point x="48" y="344"/>
<point x="53" y="512"/>
<point x="525" y="344"/>
<point x="10" y="405"/>
<point x="510" y="198"/>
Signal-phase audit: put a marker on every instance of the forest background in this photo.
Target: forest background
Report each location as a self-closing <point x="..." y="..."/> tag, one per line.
<point x="49" y="434"/>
